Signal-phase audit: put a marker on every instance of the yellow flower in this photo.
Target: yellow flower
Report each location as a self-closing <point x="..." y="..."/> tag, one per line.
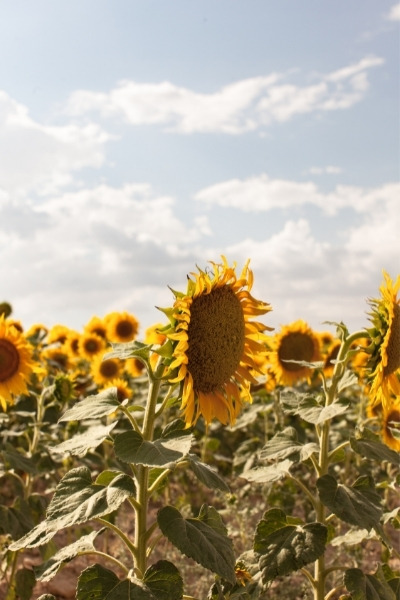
<point x="16" y="364"/>
<point x="123" y="389"/>
<point x="134" y="367"/>
<point x="71" y="344"/>
<point x="90" y="345"/>
<point x="153" y="335"/>
<point x="121" y="327"/>
<point x="330" y="354"/>
<point x="295" y="342"/>
<point x="96" y="325"/>
<point x="384" y="362"/>
<point x="57" y="333"/>
<point x="104" y="371"/>
<point x="214" y="342"/>
<point x="391" y="422"/>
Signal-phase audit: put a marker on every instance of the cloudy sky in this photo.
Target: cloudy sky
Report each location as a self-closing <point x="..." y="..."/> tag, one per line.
<point x="141" y="138"/>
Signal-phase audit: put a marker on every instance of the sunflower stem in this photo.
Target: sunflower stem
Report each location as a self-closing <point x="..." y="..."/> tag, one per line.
<point x="142" y="479"/>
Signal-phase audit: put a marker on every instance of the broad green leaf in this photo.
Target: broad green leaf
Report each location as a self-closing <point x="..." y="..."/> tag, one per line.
<point x="15" y="460"/>
<point x="77" y="500"/>
<point x="93" y="407"/>
<point x="107" y="476"/>
<point x="347" y="380"/>
<point x="24" y="583"/>
<point x="268" y="474"/>
<point x="310" y="409"/>
<point x="124" y="350"/>
<point x="206" y="474"/>
<point x="285" y="444"/>
<point x="164" y="581"/>
<point x="353" y="537"/>
<point x="98" y="583"/>
<point x="358" y="505"/>
<point x="369" y="446"/>
<point x="200" y="538"/>
<point x="130" y="447"/>
<point x="48" y="570"/>
<point x="80" y="444"/>
<point x="367" y="587"/>
<point x="286" y="547"/>
<point x="16" y="520"/>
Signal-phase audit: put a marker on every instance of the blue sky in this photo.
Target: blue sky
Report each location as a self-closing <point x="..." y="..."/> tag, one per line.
<point x="138" y="139"/>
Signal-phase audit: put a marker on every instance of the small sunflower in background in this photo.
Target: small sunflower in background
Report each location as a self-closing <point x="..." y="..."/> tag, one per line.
<point x="215" y="344"/>
<point x="330" y="354"/>
<point x="121" y="327"/>
<point x="123" y="389"/>
<point x="384" y="361"/>
<point x="16" y="363"/>
<point x="295" y="342"/>
<point x="134" y="367"/>
<point x="91" y="345"/>
<point x="71" y="344"/>
<point x="57" y="334"/>
<point x="104" y="371"/>
<point x="96" y="325"/>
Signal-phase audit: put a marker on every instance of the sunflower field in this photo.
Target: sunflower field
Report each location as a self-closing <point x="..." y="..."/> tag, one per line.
<point x="214" y="459"/>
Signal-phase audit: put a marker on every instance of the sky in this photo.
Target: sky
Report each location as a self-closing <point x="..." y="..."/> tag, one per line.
<point x="140" y="139"/>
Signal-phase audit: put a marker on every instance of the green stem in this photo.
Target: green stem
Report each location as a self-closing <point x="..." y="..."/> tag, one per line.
<point x="120" y="534"/>
<point x="343" y="357"/>
<point x="305" y="490"/>
<point x="142" y="480"/>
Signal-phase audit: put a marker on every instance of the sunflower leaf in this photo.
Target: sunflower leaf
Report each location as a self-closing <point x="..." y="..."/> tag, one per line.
<point x="369" y="446"/>
<point x="130" y="447"/>
<point x="358" y="505"/>
<point x="310" y="409"/>
<point x="93" y="407"/>
<point x="164" y="581"/>
<point x="98" y="583"/>
<point x="367" y="587"/>
<point x="203" y="539"/>
<point x="77" y="500"/>
<point x="285" y="546"/>
<point x="124" y="350"/>
<point x="206" y="474"/>
<point x="285" y="444"/>
<point x="48" y="570"/>
<point x="80" y="444"/>
<point x="273" y="472"/>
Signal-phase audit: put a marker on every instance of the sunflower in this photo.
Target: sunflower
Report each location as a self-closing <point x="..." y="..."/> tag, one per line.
<point x="96" y="325"/>
<point x="134" y="367"/>
<point x="71" y="344"/>
<point x="90" y="345"/>
<point x="57" y="333"/>
<point x="214" y="343"/>
<point x="121" y="327"/>
<point x="384" y="362"/>
<point x="104" y="371"/>
<point x="330" y="354"/>
<point x="16" y="364"/>
<point x="153" y="335"/>
<point x="295" y="342"/>
<point x="123" y="389"/>
<point x="391" y="424"/>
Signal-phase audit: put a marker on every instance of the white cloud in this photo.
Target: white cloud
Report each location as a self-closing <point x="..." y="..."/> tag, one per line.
<point x="394" y="13"/>
<point x="262" y="193"/>
<point x="35" y="156"/>
<point x="242" y="106"/>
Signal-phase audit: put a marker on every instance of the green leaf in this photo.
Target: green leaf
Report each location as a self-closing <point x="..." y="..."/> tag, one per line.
<point x="99" y="583"/>
<point x="206" y="474"/>
<point x="77" y="500"/>
<point x="24" y="583"/>
<point x="370" y="446"/>
<point x="358" y="505"/>
<point x="15" y="460"/>
<point x="81" y="444"/>
<point x="348" y="379"/>
<point x="310" y="409"/>
<point x="268" y="474"/>
<point x="164" y="581"/>
<point x="48" y="570"/>
<point x="286" y="547"/>
<point x="130" y="447"/>
<point x="353" y="537"/>
<point x="93" y="407"/>
<point x="367" y="587"/>
<point x="124" y="350"/>
<point x="285" y="444"/>
<point x="202" y="538"/>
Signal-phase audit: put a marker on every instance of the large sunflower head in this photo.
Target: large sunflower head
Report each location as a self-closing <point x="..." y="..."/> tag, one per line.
<point x="215" y="344"/>
<point x="295" y="342"/>
<point x="391" y="425"/>
<point x="16" y="363"/>
<point x="384" y="362"/>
